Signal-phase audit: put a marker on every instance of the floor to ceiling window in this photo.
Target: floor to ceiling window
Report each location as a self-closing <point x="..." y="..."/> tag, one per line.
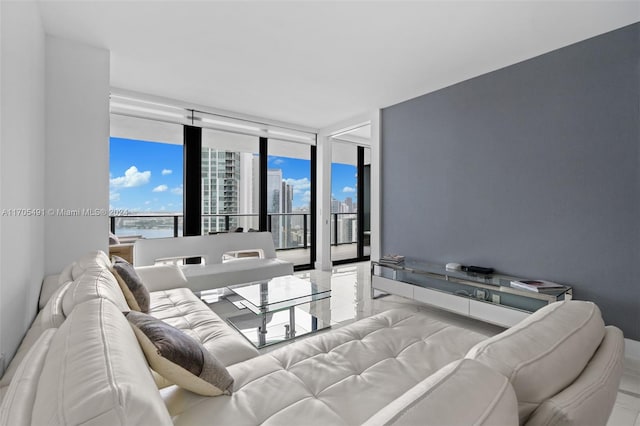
<point x="238" y="176"/>
<point x="230" y="182"/>
<point x="145" y="177"/>
<point x="289" y="197"/>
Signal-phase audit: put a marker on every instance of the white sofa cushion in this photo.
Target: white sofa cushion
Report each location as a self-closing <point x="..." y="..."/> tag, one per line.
<point x="95" y="282"/>
<point x="50" y="284"/>
<point x="485" y="397"/>
<point x="32" y="336"/>
<point x="18" y="402"/>
<point x="52" y="315"/>
<point x="95" y="373"/>
<point x="185" y="311"/>
<point x="162" y="277"/>
<point x="545" y="352"/>
<point x="340" y="377"/>
<point x="89" y="260"/>
<point x="590" y="399"/>
<point x="66" y="274"/>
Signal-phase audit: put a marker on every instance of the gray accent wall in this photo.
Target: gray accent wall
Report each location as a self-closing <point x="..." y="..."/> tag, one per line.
<point x="533" y="170"/>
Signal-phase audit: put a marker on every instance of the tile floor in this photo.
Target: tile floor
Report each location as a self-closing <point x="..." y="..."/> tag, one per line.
<point x="351" y="300"/>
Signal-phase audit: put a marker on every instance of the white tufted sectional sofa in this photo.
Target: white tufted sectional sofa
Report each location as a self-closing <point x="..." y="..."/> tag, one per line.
<point x="81" y="364"/>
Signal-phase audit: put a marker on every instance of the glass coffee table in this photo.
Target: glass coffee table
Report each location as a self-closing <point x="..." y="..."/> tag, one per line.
<point x="275" y="314"/>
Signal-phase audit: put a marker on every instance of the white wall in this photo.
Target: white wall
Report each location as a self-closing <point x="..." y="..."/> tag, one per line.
<point x="326" y="147"/>
<point x="77" y="150"/>
<point x="22" y="146"/>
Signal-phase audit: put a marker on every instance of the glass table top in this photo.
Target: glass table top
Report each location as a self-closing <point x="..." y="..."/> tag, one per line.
<point x="278" y="293"/>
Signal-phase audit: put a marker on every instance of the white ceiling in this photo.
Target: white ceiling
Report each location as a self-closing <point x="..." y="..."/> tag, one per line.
<point x="318" y="63"/>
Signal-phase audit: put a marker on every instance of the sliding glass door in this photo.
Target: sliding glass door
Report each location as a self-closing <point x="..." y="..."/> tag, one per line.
<point x="350" y="203"/>
<point x="289" y="197"/>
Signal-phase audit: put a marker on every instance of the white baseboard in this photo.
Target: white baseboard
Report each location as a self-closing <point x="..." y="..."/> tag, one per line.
<point x="632" y="354"/>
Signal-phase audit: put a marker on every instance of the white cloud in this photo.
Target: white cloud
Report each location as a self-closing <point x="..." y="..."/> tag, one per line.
<point x="299" y="185"/>
<point x="306" y="197"/>
<point x="132" y="177"/>
<point x="348" y="189"/>
<point x="278" y="161"/>
<point x="114" y="196"/>
<point x="166" y="172"/>
<point x="146" y="203"/>
<point x="177" y="190"/>
<point x="160" y="188"/>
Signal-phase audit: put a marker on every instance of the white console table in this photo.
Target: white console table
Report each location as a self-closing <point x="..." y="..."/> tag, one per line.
<point x="487" y="298"/>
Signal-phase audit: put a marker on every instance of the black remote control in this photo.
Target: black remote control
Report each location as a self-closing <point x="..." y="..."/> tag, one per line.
<point x="478" y="270"/>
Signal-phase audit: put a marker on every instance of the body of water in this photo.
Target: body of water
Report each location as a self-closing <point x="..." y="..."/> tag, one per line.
<point x="147" y="233"/>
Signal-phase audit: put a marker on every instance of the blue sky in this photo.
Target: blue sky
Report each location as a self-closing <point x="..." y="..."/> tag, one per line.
<point x="147" y="176"/>
<point x="343" y="181"/>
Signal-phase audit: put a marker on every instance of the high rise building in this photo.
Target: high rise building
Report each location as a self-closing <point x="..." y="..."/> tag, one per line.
<point x="348" y="202"/>
<point x="279" y="200"/>
<point x="335" y="205"/>
<point x="230" y="189"/>
<point x="227" y="188"/>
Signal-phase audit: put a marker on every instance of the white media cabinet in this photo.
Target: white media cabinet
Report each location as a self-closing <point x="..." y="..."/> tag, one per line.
<point x="487" y="298"/>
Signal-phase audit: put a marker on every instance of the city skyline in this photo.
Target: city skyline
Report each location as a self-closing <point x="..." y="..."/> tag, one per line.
<point x="147" y="177"/>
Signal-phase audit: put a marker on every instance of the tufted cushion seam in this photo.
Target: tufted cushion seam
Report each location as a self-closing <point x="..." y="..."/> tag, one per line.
<point x="302" y="382"/>
<point x="492" y="405"/>
<point x="299" y="401"/>
<point x="385" y="320"/>
<point x="434" y="387"/>
<point x="409" y="345"/>
<point x="109" y="366"/>
<point x="423" y="339"/>
<point x="356" y="338"/>
<point x="354" y="374"/>
<point x="258" y="378"/>
<point x="177" y="305"/>
<point x="556" y="416"/>
<point x="61" y="383"/>
<point x="418" y="340"/>
<point x="336" y="383"/>
<point x="582" y="396"/>
<point x="96" y="281"/>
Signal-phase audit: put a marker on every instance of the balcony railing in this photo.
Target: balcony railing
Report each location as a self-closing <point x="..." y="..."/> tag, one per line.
<point x="290" y="230"/>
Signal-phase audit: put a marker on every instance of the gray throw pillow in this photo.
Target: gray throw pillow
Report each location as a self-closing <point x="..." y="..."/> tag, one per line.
<point x="178" y="357"/>
<point x="134" y="291"/>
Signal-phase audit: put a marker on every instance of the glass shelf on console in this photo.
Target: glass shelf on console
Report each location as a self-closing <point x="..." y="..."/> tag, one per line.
<point x="494" y="289"/>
